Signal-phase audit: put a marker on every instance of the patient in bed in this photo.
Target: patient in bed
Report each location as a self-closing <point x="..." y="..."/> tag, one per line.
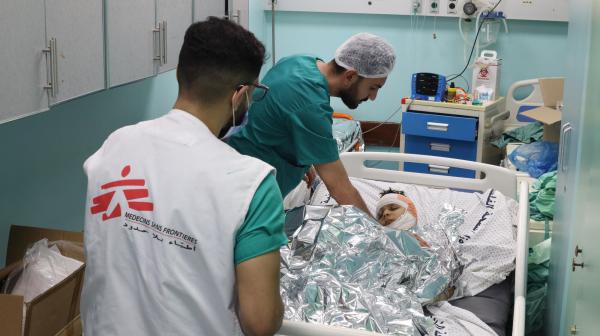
<point x="396" y="211"/>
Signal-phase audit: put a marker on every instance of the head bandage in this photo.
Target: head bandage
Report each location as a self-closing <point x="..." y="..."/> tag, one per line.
<point x="398" y="199"/>
<point x="369" y="55"/>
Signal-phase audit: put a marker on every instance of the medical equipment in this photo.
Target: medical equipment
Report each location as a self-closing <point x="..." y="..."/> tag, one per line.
<point x="547" y="10"/>
<point x="495" y="178"/>
<point x="428" y="86"/>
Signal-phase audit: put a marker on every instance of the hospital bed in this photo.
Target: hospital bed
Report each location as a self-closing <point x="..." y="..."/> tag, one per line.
<point x="494" y="177"/>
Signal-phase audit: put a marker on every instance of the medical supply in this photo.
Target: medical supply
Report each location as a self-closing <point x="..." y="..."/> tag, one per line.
<point x="428" y="86"/>
<point x="371" y="56"/>
<point x="327" y="278"/>
<point x="486" y="76"/>
<point x="451" y="92"/>
<point x="536" y="158"/>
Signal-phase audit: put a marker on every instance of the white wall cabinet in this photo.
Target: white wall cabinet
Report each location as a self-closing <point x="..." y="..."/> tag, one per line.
<point x="132" y="40"/>
<point x="22" y="63"/>
<point x="206" y="8"/>
<point x="173" y="19"/>
<point x="144" y="37"/>
<point x="75" y="27"/>
<point x="52" y="51"/>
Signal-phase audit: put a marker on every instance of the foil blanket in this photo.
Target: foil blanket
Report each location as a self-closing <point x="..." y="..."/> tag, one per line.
<point x="344" y="269"/>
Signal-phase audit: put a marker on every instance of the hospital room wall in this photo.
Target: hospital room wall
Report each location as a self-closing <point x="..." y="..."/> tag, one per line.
<point x="41" y="176"/>
<point x="530" y="49"/>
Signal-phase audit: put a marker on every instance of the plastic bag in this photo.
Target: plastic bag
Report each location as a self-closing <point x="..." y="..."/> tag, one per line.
<point x="536" y="158"/>
<point x="43" y="267"/>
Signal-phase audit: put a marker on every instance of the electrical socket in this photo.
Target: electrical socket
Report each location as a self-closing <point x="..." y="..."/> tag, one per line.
<point x="452" y="7"/>
<point x="416" y="6"/>
<point x="434" y="6"/>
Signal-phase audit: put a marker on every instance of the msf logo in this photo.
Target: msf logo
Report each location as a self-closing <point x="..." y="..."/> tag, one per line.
<point x="110" y="204"/>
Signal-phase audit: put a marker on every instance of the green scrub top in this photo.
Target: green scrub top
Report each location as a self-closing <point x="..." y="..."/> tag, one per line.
<point x="290" y="129"/>
<point x="262" y="230"/>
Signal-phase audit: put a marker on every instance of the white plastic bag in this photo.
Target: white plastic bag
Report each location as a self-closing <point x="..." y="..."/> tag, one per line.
<point x="43" y="267"/>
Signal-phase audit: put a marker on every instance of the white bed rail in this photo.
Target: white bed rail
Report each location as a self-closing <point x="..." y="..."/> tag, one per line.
<point x="289" y="328"/>
<point x="521" y="262"/>
<point x="496" y="177"/>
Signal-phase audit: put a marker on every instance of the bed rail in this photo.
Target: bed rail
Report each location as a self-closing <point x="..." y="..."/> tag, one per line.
<point x="501" y="179"/>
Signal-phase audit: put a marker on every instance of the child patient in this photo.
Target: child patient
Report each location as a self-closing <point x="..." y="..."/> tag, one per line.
<point x="396" y="211"/>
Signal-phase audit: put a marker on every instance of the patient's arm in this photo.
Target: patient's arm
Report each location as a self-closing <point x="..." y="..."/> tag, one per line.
<point x="336" y="179"/>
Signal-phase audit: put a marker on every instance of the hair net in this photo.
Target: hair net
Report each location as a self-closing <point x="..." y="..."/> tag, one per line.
<point x="370" y="55"/>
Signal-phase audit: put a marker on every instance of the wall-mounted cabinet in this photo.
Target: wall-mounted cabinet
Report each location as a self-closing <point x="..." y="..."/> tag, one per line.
<point x="206" y="8"/>
<point x="144" y="37"/>
<point x="51" y="52"/>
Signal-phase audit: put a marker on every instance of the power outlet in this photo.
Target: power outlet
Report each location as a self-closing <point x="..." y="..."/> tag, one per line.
<point x="434" y="6"/>
<point x="417" y="6"/>
<point x="452" y="7"/>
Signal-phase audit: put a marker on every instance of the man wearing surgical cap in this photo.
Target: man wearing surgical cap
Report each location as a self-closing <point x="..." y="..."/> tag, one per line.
<point x="290" y="128"/>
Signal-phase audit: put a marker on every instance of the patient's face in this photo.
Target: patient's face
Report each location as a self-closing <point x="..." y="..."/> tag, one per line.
<point x="389" y="213"/>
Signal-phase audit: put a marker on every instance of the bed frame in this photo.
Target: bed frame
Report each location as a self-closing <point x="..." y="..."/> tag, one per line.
<point x="495" y="177"/>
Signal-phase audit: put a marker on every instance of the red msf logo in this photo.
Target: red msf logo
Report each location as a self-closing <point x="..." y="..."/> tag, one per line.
<point x="130" y="188"/>
<point x="483" y="73"/>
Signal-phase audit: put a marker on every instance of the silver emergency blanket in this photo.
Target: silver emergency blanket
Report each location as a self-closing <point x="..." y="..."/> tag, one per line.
<point x="346" y="133"/>
<point x="344" y="269"/>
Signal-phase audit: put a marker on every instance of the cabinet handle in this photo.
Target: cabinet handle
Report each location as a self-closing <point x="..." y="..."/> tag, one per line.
<point x="53" y="64"/>
<point x="433" y="126"/>
<point x="157" y="46"/>
<point x="164" y="42"/>
<point x="440" y="147"/>
<point x="236" y="14"/>
<point x="565" y="140"/>
<point x="438" y="169"/>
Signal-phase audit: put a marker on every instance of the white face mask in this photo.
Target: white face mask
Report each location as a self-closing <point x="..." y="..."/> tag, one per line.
<point x="405" y="222"/>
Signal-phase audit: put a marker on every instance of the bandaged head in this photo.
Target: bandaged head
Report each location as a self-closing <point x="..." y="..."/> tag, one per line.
<point x="408" y="219"/>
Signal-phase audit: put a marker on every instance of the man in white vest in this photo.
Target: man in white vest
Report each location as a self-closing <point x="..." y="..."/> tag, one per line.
<point x="182" y="233"/>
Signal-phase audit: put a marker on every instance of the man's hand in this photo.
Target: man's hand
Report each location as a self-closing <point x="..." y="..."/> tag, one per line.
<point x="336" y="179"/>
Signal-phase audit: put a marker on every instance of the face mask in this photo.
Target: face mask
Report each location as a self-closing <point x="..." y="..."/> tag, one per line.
<point x="233" y="127"/>
<point x="405" y="222"/>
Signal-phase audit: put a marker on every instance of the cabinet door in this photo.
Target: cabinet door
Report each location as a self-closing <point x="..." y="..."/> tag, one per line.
<point x="22" y="62"/>
<point x="131" y="40"/>
<point x="76" y="26"/>
<point x="206" y="8"/>
<point x="239" y="12"/>
<point x="174" y="16"/>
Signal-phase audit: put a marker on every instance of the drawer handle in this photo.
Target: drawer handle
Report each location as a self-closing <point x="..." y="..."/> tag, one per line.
<point x="440" y="147"/>
<point x="438" y="169"/>
<point x="433" y="126"/>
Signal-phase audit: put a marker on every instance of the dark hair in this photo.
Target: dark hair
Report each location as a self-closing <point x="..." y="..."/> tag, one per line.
<point x="216" y="56"/>
<point x="391" y="191"/>
<point x="337" y="69"/>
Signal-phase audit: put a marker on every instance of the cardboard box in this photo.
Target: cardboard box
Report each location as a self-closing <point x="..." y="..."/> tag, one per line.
<point x="51" y="311"/>
<point x="74" y="328"/>
<point x="550" y="114"/>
